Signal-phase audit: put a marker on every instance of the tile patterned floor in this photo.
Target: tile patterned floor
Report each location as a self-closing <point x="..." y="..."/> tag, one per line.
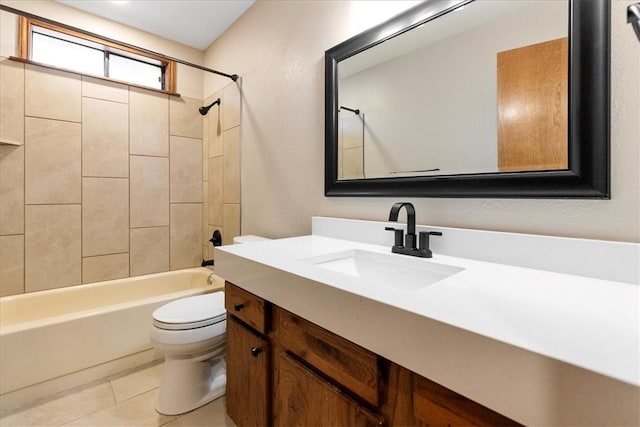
<point x="126" y="400"/>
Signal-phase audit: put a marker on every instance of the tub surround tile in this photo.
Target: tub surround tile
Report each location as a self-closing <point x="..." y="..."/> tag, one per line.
<point x="149" y="122"/>
<point x="149" y="178"/>
<point x="138" y="411"/>
<point x="185" y="173"/>
<point x="185" y="232"/>
<point x="231" y="106"/>
<point x="103" y="89"/>
<point x="205" y="213"/>
<point x="135" y="383"/>
<point x="11" y="189"/>
<point x="231" y="160"/>
<point x="105" y="138"/>
<point x="52" y="246"/>
<point x="105" y="216"/>
<point x="105" y="267"/>
<point x="52" y="161"/>
<point x="65" y="408"/>
<point x="214" y="132"/>
<point x="8" y="34"/>
<point x="205" y="152"/>
<point x="11" y="265"/>
<point x="11" y="101"/>
<point x="149" y="250"/>
<point x="231" y="222"/>
<point x="215" y="190"/>
<point x="184" y="117"/>
<point x="211" y="252"/>
<point x="52" y="94"/>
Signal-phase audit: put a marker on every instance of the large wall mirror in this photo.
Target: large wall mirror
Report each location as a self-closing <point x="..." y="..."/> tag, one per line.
<point x="472" y="98"/>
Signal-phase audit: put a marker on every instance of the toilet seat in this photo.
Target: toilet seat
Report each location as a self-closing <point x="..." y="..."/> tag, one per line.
<point x="190" y="313"/>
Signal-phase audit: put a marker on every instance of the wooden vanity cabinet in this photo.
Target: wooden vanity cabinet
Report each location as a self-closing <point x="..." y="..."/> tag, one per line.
<point x="283" y="370"/>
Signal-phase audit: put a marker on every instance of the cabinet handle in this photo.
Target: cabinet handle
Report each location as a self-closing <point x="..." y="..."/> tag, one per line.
<point x="238" y="307"/>
<point x="255" y="351"/>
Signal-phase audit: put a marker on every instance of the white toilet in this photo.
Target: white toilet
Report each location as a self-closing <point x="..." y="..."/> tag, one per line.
<point x="190" y="332"/>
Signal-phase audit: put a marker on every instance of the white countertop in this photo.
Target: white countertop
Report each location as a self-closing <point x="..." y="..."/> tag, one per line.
<point x="522" y="328"/>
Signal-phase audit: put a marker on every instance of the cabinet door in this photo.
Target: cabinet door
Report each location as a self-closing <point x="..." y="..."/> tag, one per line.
<point x="305" y="399"/>
<point x="247" y="376"/>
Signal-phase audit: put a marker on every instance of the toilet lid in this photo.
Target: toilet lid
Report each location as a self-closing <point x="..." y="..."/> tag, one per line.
<point x="191" y="312"/>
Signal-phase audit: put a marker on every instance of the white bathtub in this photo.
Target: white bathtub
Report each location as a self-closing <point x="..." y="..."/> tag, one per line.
<point x="49" y="335"/>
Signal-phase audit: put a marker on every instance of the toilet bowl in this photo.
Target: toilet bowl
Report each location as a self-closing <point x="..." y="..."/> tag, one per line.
<point x="190" y="333"/>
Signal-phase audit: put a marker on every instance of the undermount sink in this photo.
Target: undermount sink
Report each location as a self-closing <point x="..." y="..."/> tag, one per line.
<point x="374" y="268"/>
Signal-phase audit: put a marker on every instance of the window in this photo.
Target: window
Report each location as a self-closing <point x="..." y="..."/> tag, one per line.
<point x="74" y="51"/>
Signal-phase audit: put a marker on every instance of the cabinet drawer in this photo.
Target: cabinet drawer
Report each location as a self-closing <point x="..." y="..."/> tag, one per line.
<point x="437" y="405"/>
<point x="245" y="306"/>
<point x="350" y="365"/>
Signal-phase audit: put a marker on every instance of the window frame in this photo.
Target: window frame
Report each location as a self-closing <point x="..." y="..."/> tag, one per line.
<point x="108" y="47"/>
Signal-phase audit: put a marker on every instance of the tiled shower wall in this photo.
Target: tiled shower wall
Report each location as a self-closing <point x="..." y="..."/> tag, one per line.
<point x="221" y="167"/>
<point x="107" y="183"/>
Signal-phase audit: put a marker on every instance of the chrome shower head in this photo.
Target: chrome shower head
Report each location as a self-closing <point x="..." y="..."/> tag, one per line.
<point x="633" y="18"/>
<point x="204" y="110"/>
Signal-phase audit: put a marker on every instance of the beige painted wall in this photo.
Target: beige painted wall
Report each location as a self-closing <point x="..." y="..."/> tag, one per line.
<point x="108" y="179"/>
<point x="278" y="46"/>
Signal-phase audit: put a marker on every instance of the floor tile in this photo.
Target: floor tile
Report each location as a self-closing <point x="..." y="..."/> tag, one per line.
<point x="213" y="414"/>
<point x="136" y="412"/>
<point x="133" y="384"/>
<point x="67" y="408"/>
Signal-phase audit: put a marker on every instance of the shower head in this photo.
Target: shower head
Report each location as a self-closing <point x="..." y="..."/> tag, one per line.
<point x="633" y="18"/>
<point x="205" y="110"/>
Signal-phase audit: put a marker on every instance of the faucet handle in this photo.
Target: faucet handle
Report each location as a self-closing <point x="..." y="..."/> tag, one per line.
<point x="423" y="242"/>
<point x="398" y="236"/>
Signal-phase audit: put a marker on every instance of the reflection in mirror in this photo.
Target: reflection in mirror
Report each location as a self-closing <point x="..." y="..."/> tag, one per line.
<point x="480" y="89"/>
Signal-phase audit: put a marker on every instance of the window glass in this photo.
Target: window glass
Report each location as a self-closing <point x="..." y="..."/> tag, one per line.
<point x="64" y="54"/>
<point x="130" y="70"/>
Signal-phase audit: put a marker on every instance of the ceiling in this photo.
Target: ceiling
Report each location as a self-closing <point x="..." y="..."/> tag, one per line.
<point x="195" y="23"/>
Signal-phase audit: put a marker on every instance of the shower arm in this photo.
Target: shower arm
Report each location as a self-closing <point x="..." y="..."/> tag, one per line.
<point x="19" y="12"/>
<point x="353" y="110"/>
<point x="633" y="18"/>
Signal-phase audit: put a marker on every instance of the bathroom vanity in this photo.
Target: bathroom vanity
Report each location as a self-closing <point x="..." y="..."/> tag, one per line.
<point x="480" y="334"/>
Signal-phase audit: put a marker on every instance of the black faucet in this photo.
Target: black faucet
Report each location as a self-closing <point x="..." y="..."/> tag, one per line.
<point x="408" y="247"/>
<point x="216" y="240"/>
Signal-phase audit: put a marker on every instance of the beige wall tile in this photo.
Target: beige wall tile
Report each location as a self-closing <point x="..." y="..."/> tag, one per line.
<point x="11" y="189"/>
<point x="231" y="189"/>
<point x="8" y="34"/>
<point x="352" y="163"/>
<point x="185" y="174"/>
<point x="215" y="190"/>
<point x="215" y="131"/>
<point x="103" y="89"/>
<point x="205" y="153"/>
<point x="185" y="232"/>
<point x="205" y="213"/>
<point x="11" y="101"/>
<point x="210" y="248"/>
<point x="105" y="267"/>
<point x="52" y="161"/>
<point x="149" y="191"/>
<point x="149" y="122"/>
<point x="231" y="222"/>
<point x="52" y="94"/>
<point x="105" y="138"/>
<point x="11" y="265"/>
<point x="105" y="216"/>
<point x="149" y="250"/>
<point x="52" y="246"/>
<point x="184" y="118"/>
<point x="231" y="106"/>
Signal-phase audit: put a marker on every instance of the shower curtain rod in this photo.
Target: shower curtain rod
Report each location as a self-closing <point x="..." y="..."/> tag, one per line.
<point x="18" y="12"/>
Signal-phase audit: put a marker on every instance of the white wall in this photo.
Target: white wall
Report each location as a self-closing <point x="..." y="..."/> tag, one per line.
<point x="278" y="49"/>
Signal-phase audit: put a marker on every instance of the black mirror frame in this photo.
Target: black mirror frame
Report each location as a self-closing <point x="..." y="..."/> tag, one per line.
<point x="588" y="176"/>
